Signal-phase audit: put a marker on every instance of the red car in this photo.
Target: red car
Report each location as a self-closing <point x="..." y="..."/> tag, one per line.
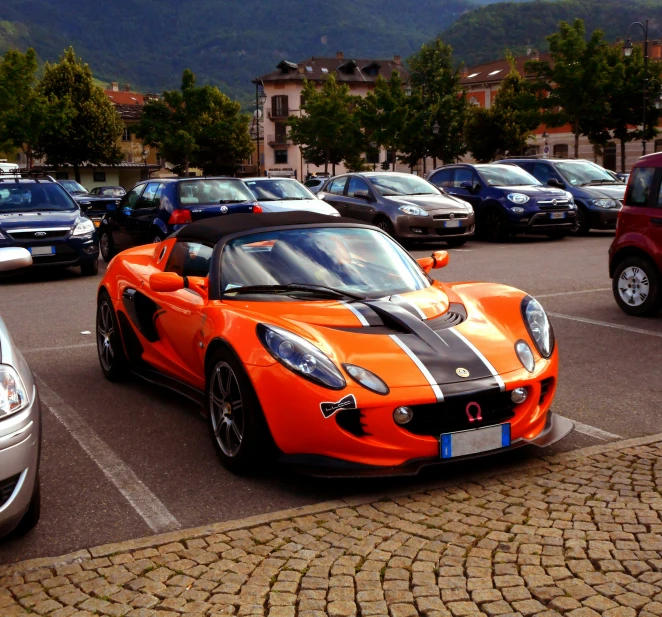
<point x="635" y="256"/>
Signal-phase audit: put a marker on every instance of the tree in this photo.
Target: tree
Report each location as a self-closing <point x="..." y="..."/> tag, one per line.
<point x="572" y="86"/>
<point x="83" y="126"/>
<point x="197" y="126"/>
<point x="22" y="108"/>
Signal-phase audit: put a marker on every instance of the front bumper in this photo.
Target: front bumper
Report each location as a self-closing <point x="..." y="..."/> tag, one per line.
<point x="542" y="222"/>
<point x="20" y="437"/>
<point x="602" y="218"/>
<point x="72" y="251"/>
<point x="437" y="224"/>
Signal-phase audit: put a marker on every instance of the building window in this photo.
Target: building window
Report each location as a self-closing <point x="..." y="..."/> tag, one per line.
<point x="62" y="175"/>
<point x="279" y="106"/>
<point x="531" y="151"/>
<point x="561" y="151"/>
<point x="99" y="176"/>
<point x="126" y="136"/>
<point x="609" y="156"/>
<point x="280" y="157"/>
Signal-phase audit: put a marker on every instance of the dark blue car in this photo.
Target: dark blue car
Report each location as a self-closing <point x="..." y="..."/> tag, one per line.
<point x="39" y="215"/>
<point x="153" y="209"/>
<point x="508" y="201"/>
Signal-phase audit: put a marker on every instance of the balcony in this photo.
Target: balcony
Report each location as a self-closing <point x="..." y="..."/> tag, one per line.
<point x="278" y="113"/>
<point x="279" y="140"/>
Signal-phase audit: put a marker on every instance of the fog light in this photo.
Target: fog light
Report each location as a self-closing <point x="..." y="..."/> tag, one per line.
<point x="402" y="415"/>
<point x="525" y="355"/>
<point x="417" y="230"/>
<point x="518" y="395"/>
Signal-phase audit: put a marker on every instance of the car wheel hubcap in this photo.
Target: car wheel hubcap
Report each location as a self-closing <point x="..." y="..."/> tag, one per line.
<point x="104" y="336"/>
<point x="226" y="409"/>
<point x="383" y="225"/>
<point x="156" y="240"/>
<point x="633" y="286"/>
<point x="104" y="245"/>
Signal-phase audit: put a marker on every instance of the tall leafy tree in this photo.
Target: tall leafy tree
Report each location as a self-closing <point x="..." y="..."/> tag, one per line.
<point x="572" y="86"/>
<point x="22" y="107"/>
<point x="328" y="130"/>
<point x="83" y="125"/>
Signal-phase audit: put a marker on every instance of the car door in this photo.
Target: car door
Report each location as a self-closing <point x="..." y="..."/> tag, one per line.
<point x="644" y="207"/>
<point x="334" y="194"/>
<point x="144" y="213"/>
<point x="120" y="222"/>
<point x="360" y="202"/>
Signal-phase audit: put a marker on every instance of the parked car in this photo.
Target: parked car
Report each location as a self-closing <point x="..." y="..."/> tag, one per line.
<point x="403" y="205"/>
<point x="92" y="204"/>
<point x="9" y="169"/>
<point x="635" y="255"/>
<point x="331" y="342"/>
<point x="153" y="209"/>
<point x="108" y="191"/>
<point x="20" y="424"/>
<point x="596" y="192"/>
<point x="508" y="201"/>
<point x="314" y="185"/>
<point x="39" y="215"/>
<point x="283" y="194"/>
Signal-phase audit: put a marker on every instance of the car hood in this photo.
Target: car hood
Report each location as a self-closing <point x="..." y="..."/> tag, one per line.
<point x="309" y="205"/>
<point x="429" y="202"/>
<point x="389" y="332"/>
<point x="94" y="198"/>
<point x="611" y="191"/>
<point x="28" y="220"/>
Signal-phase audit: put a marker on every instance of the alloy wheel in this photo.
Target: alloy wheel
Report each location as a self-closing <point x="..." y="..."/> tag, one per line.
<point x="105" y="331"/>
<point x="104" y="246"/>
<point x="226" y="409"/>
<point x="633" y="286"/>
<point x="383" y="225"/>
<point x="157" y="240"/>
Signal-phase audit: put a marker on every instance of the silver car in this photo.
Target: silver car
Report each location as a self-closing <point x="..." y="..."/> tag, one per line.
<point x="20" y="425"/>
<point x="286" y="195"/>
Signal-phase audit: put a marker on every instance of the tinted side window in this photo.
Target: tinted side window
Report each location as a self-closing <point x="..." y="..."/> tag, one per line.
<point x="543" y="172"/>
<point x="337" y="185"/>
<point x="464" y="175"/>
<point x="443" y="178"/>
<point x="132" y="197"/>
<point x="639" y="186"/>
<point x="356" y="184"/>
<point x="147" y="200"/>
<point x="157" y="196"/>
<point x="189" y="259"/>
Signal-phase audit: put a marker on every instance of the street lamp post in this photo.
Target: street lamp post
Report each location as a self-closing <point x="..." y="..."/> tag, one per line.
<point x="627" y="52"/>
<point x="260" y="99"/>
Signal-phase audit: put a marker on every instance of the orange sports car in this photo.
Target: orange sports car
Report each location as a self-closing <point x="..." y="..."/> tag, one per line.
<point x="322" y="340"/>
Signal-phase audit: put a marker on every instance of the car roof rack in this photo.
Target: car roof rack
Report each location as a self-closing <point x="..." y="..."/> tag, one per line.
<point x="15" y="175"/>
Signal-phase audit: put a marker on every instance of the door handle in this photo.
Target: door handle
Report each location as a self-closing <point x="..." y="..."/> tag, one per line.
<point x="656" y="221"/>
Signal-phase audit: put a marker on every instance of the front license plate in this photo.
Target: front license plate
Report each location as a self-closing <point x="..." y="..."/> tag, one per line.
<point x="42" y="250"/>
<point x="452" y="224"/>
<point x="557" y="215"/>
<point x="475" y="440"/>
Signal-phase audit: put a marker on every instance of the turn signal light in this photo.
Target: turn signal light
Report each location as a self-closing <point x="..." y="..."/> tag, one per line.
<point x="257" y="208"/>
<point x="180" y="217"/>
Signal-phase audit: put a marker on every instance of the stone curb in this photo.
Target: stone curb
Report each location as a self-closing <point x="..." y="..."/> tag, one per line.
<point x="264" y="519"/>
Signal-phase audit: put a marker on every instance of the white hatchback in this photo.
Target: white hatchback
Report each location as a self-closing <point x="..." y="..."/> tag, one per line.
<point x="285" y="195"/>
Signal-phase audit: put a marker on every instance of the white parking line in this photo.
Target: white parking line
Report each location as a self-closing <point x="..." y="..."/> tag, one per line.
<point x="592" y="431"/>
<point x="144" y="502"/>
<point x="607" y="325"/>
<point x="572" y="293"/>
<point x="57" y="347"/>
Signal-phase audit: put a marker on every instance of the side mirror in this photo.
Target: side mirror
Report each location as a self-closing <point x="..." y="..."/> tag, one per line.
<point x="166" y="282"/>
<point x="362" y="194"/>
<point x="554" y="182"/>
<point x="84" y="205"/>
<point x="438" y="259"/>
<point x="14" y="258"/>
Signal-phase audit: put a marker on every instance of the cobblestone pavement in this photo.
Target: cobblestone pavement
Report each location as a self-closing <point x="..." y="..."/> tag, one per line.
<point x="577" y="534"/>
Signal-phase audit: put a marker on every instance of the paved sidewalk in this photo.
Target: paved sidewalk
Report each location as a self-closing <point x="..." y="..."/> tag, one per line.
<point x="577" y="534"/>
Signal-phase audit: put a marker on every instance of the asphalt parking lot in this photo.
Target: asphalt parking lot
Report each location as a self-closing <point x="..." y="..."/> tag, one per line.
<point x="125" y="460"/>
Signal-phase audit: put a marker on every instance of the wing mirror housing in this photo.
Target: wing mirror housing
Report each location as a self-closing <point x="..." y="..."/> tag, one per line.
<point x="166" y="282"/>
<point x="14" y="258"/>
<point x="438" y="259"/>
<point x="363" y="195"/>
<point x="470" y="186"/>
<point x="556" y="183"/>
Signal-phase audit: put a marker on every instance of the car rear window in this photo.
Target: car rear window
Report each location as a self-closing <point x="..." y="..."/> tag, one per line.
<point x="213" y="191"/>
<point x="640" y="185"/>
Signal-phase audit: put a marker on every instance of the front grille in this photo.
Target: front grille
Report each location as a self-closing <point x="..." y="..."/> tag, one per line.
<point x="561" y="204"/>
<point x="63" y="254"/>
<point x="350" y="420"/>
<point x="435" y="419"/>
<point x="447" y="216"/>
<point x="7" y="488"/>
<point x="545" y="386"/>
<point x="451" y="231"/>
<point x="42" y="234"/>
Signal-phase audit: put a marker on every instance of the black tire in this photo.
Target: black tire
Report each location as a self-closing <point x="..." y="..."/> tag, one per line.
<point x="637" y="271"/>
<point x="557" y="235"/>
<point x="455" y="242"/>
<point x="90" y="268"/>
<point x="238" y="429"/>
<point x="582" y="227"/>
<point x="385" y="225"/>
<point x="493" y="226"/>
<point x="31" y="517"/>
<point x="110" y="349"/>
<point x="106" y="246"/>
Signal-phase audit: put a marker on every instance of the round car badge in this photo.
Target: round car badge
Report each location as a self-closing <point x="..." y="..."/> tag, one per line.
<point x="554" y="202"/>
<point x="462" y="372"/>
<point x="451" y="216"/>
<point x="224" y="209"/>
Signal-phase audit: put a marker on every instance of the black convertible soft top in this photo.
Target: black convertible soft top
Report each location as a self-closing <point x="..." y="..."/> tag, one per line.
<point x="212" y="230"/>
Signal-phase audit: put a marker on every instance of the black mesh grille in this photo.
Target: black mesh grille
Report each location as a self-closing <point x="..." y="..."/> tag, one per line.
<point x="447" y="217"/>
<point x="545" y="387"/>
<point x="350" y="421"/>
<point x="451" y="415"/>
<point x="7" y="488"/>
<point x="42" y="235"/>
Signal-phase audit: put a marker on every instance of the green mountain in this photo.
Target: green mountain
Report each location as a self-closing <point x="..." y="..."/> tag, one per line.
<point x="516" y="25"/>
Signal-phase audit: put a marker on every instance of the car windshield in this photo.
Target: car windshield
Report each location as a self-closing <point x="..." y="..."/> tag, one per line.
<point x="213" y="191"/>
<point x="111" y="191"/>
<point x="506" y="175"/>
<point x="391" y="184"/>
<point x="581" y="173"/>
<point x="275" y="190"/>
<point x="73" y="187"/>
<point x="32" y="197"/>
<point x="357" y="261"/>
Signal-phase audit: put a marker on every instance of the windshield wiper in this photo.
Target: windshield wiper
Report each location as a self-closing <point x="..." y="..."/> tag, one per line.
<point x="320" y="290"/>
<point x="412" y="194"/>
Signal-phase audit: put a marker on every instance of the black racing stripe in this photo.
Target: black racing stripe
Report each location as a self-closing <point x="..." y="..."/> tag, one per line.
<point x="368" y="313"/>
<point x="401" y="302"/>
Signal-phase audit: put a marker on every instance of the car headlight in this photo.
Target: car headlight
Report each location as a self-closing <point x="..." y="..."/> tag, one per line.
<point x="13" y="396"/>
<point x="334" y="213"/>
<point x="413" y="210"/>
<point x="517" y="210"/>
<point x="518" y="198"/>
<point x="602" y="203"/>
<point x="366" y="378"/>
<point x="84" y="227"/>
<point x="525" y="355"/>
<point x="571" y="200"/>
<point x="300" y="356"/>
<point x="539" y="327"/>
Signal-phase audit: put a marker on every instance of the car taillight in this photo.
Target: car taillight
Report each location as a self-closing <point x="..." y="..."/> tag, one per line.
<point x="180" y="217"/>
<point x="257" y="208"/>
